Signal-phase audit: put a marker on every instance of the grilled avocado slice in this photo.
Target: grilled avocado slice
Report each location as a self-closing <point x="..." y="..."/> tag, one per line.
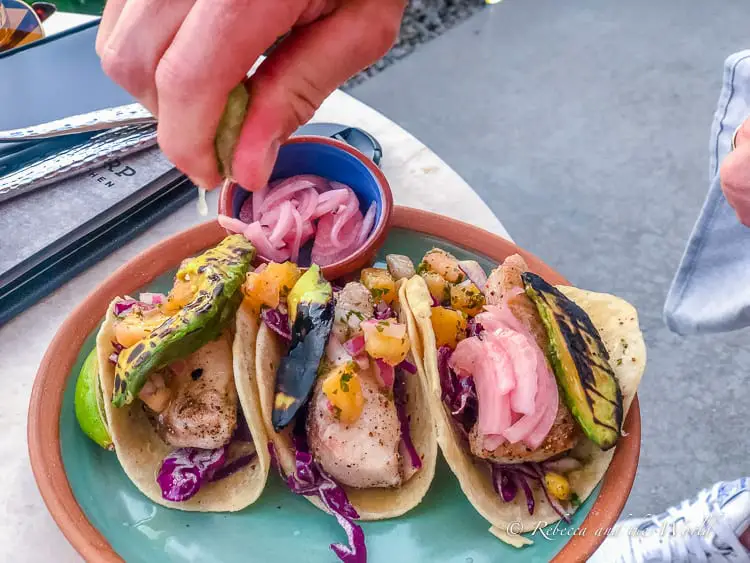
<point x="580" y="362"/>
<point x="311" y="315"/>
<point x="216" y="276"/>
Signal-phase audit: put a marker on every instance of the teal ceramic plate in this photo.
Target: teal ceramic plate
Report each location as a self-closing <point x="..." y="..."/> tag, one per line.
<point x="103" y="514"/>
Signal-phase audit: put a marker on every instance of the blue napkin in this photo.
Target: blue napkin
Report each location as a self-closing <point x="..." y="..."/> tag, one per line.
<point x="711" y="290"/>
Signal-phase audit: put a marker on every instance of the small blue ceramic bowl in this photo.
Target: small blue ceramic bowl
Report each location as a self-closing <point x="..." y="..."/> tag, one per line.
<point x="336" y="161"/>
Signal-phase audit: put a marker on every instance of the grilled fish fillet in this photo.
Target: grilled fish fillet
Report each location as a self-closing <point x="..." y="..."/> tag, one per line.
<point x="365" y="453"/>
<point x="505" y="282"/>
<point x="203" y="413"/>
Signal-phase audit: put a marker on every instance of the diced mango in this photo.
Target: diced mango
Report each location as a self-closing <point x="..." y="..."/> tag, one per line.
<point x="387" y="340"/>
<point x="467" y="298"/>
<point x="557" y="485"/>
<point x="380" y="283"/>
<point x="444" y="263"/>
<point x="449" y="326"/>
<point x="344" y="392"/>
<point x="271" y="285"/>
<point x="136" y="326"/>
<point x="439" y="288"/>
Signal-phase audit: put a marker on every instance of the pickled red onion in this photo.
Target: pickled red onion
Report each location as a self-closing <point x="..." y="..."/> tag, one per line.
<point x="367" y="224"/>
<point x="329" y="202"/>
<point x="286" y="214"/>
<point x="297" y="233"/>
<point x="283" y="225"/>
<point x="343" y="214"/>
<point x="517" y="393"/>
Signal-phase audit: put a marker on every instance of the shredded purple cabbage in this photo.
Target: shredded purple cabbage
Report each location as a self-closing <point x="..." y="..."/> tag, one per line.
<point x="383" y="311"/>
<point x="504" y="483"/>
<point x="458" y="393"/>
<point x="473" y="328"/>
<point x="232" y="467"/>
<point x="122" y="307"/>
<point x="242" y="431"/>
<point x="399" y="397"/>
<point x="277" y="322"/>
<point x="309" y="479"/>
<point x="527" y="491"/>
<point x="553" y="502"/>
<point x="185" y="470"/>
<point x="506" y="480"/>
<point x="407" y="366"/>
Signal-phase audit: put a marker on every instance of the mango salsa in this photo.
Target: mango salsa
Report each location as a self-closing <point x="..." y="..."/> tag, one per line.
<point x="271" y="285"/>
<point x="439" y="288"/>
<point x="557" y="485"/>
<point x="380" y="283"/>
<point x="386" y="340"/>
<point x="443" y="263"/>
<point x="449" y="326"/>
<point x="136" y="326"/>
<point x="344" y="392"/>
<point x="466" y="297"/>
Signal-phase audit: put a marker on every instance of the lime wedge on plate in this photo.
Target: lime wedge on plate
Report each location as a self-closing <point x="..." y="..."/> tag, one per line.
<point x="89" y="403"/>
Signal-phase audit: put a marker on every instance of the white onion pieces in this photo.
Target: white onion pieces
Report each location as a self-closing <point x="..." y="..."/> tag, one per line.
<point x="286" y="214"/>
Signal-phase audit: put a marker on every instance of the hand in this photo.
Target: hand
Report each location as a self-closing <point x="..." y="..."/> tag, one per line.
<point x="181" y="58"/>
<point x="735" y="175"/>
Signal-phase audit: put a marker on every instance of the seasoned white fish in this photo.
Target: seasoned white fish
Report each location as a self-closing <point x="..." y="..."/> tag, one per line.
<point x="363" y="454"/>
<point x="203" y="412"/>
<point x="353" y="305"/>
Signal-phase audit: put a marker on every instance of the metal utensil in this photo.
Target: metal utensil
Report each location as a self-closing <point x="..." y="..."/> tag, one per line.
<point x="81" y="157"/>
<point x="109" y="118"/>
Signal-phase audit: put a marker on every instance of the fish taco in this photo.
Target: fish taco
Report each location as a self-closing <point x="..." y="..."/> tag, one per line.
<point x="528" y="384"/>
<point x="184" y="429"/>
<point x="341" y="401"/>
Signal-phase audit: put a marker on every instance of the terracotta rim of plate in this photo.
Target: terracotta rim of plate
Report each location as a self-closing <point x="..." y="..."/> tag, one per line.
<point x="43" y="431"/>
<point x="359" y="258"/>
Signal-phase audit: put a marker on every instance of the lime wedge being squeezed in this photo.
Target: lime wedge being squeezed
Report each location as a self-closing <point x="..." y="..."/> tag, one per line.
<point x="89" y="403"/>
<point x="230" y="127"/>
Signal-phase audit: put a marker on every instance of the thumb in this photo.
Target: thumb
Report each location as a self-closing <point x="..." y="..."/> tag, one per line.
<point x="302" y="71"/>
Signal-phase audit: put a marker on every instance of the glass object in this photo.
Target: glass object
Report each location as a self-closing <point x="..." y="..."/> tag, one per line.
<point x="19" y="25"/>
<point x="5" y="31"/>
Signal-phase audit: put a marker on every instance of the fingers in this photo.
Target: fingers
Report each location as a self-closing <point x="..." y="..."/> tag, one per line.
<point x="735" y="180"/>
<point x="109" y="18"/>
<point x="136" y="43"/>
<point x="743" y="133"/>
<point x="292" y="83"/>
<point x="213" y="50"/>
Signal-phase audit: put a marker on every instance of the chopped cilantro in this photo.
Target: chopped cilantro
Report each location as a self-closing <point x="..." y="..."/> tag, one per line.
<point x="575" y="500"/>
<point x="336" y="412"/>
<point x="422" y="268"/>
<point x="447" y="293"/>
<point x="344" y="382"/>
<point x="357" y="314"/>
<point x="379" y="292"/>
